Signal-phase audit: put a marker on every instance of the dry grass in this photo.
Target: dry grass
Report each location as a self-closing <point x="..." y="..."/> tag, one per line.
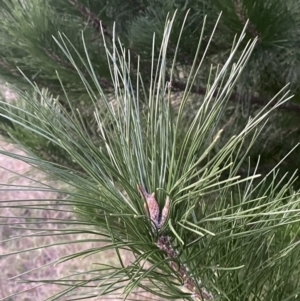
<point x="12" y="266"/>
<point x="23" y="262"/>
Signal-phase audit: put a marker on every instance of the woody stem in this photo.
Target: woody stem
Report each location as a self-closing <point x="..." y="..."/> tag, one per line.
<point x="165" y="245"/>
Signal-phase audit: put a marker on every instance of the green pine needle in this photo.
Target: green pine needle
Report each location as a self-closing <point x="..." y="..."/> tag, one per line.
<point x="231" y="236"/>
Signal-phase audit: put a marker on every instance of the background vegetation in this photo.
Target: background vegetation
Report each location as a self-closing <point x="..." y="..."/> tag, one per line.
<point x="25" y="42"/>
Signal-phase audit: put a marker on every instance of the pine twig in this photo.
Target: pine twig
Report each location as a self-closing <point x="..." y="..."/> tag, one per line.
<point x="102" y="81"/>
<point x="239" y="11"/>
<point x="180" y="86"/>
<point x="55" y="57"/>
<point x="93" y="18"/>
<point x="164" y="244"/>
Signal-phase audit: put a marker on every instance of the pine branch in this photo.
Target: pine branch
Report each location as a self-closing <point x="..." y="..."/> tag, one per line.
<point x="165" y="245"/>
<point x="163" y="242"/>
<point x="5" y="65"/>
<point x="239" y="12"/>
<point x="250" y="248"/>
<point x="102" y="81"/>
<point x="93" y="19"/>
<point x="52" y="55"/>
<point x="179" y="86"/>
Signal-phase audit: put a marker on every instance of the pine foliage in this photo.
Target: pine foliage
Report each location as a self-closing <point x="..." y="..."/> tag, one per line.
<point x="26" y="42"/>
<point x="225" y="237"/>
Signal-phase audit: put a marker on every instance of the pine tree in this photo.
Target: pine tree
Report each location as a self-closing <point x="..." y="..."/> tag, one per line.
<point x="26" y="43"/>
<point x="161" y="182"/>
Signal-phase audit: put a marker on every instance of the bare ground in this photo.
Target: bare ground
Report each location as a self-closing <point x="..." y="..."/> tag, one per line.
<point x="23" y="262"/>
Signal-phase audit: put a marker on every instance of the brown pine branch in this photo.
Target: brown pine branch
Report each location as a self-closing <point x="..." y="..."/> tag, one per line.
<point x="243" y="18"/>
<point x="164" y="243"/>
<point x="289" y="106"/>
<point x="182" y="271"/>
<point x="92" y="18"/>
